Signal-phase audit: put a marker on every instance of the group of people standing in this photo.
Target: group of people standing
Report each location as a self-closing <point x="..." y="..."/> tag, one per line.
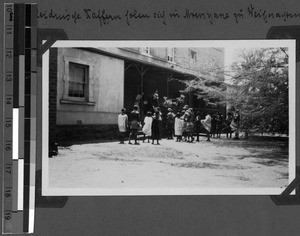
<point x="183" y="125"/>
<point x="186" y="124"/>
<point x="151" y="127"/>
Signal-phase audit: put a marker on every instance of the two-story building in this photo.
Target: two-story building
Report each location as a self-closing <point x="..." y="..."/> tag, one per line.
<point x="88" y="86"/>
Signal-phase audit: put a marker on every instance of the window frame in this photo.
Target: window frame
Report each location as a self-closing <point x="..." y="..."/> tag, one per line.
<point x="86" y="82"/>
<point x="148" y="50"/>
<point x="88" y="98"/>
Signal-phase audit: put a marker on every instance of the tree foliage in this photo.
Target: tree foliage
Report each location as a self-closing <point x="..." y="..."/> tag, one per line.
<point x="256" y="83"/>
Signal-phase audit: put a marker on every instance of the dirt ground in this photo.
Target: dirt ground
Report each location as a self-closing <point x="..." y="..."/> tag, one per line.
<point x="221" y="163"/>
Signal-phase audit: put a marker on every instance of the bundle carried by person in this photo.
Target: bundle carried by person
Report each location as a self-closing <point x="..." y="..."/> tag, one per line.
<point x="207" y="123"/>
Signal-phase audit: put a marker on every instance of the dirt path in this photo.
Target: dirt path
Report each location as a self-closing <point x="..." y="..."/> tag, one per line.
<point x="218" y="164"/>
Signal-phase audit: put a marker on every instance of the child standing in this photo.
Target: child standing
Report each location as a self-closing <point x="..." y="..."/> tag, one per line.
<point x="148" y="125"/>
<point x="189" y="131"/>
<point x="178" y="125"/>
<point x="122" y="124"/>
<point x="134" y="125"/>
<point x="189" y="125"/>
<point x="170" y="123"/>
<point x="155" y="127"/>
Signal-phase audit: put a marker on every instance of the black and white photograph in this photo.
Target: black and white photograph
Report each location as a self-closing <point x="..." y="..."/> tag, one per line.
<point x="168" y="117"/>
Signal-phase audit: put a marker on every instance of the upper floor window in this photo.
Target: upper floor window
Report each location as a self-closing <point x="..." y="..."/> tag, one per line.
<point x="147" y="50"/>
<point x="171" y="54"/>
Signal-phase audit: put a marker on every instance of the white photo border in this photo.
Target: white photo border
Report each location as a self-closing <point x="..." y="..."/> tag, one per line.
<point x="47" y="191"/>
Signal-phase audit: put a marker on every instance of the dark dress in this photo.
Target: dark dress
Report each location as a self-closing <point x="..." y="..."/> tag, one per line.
<point x="198" y="124"/>
<point x="227" y="122"/>
<point x="135" y="117"/>
<point x="155" y="128"/>
<point x="213" y="125"/>
<point x="170" y="124"/>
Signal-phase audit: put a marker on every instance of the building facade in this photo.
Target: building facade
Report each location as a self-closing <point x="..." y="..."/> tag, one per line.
<point x="89" y="86"/>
